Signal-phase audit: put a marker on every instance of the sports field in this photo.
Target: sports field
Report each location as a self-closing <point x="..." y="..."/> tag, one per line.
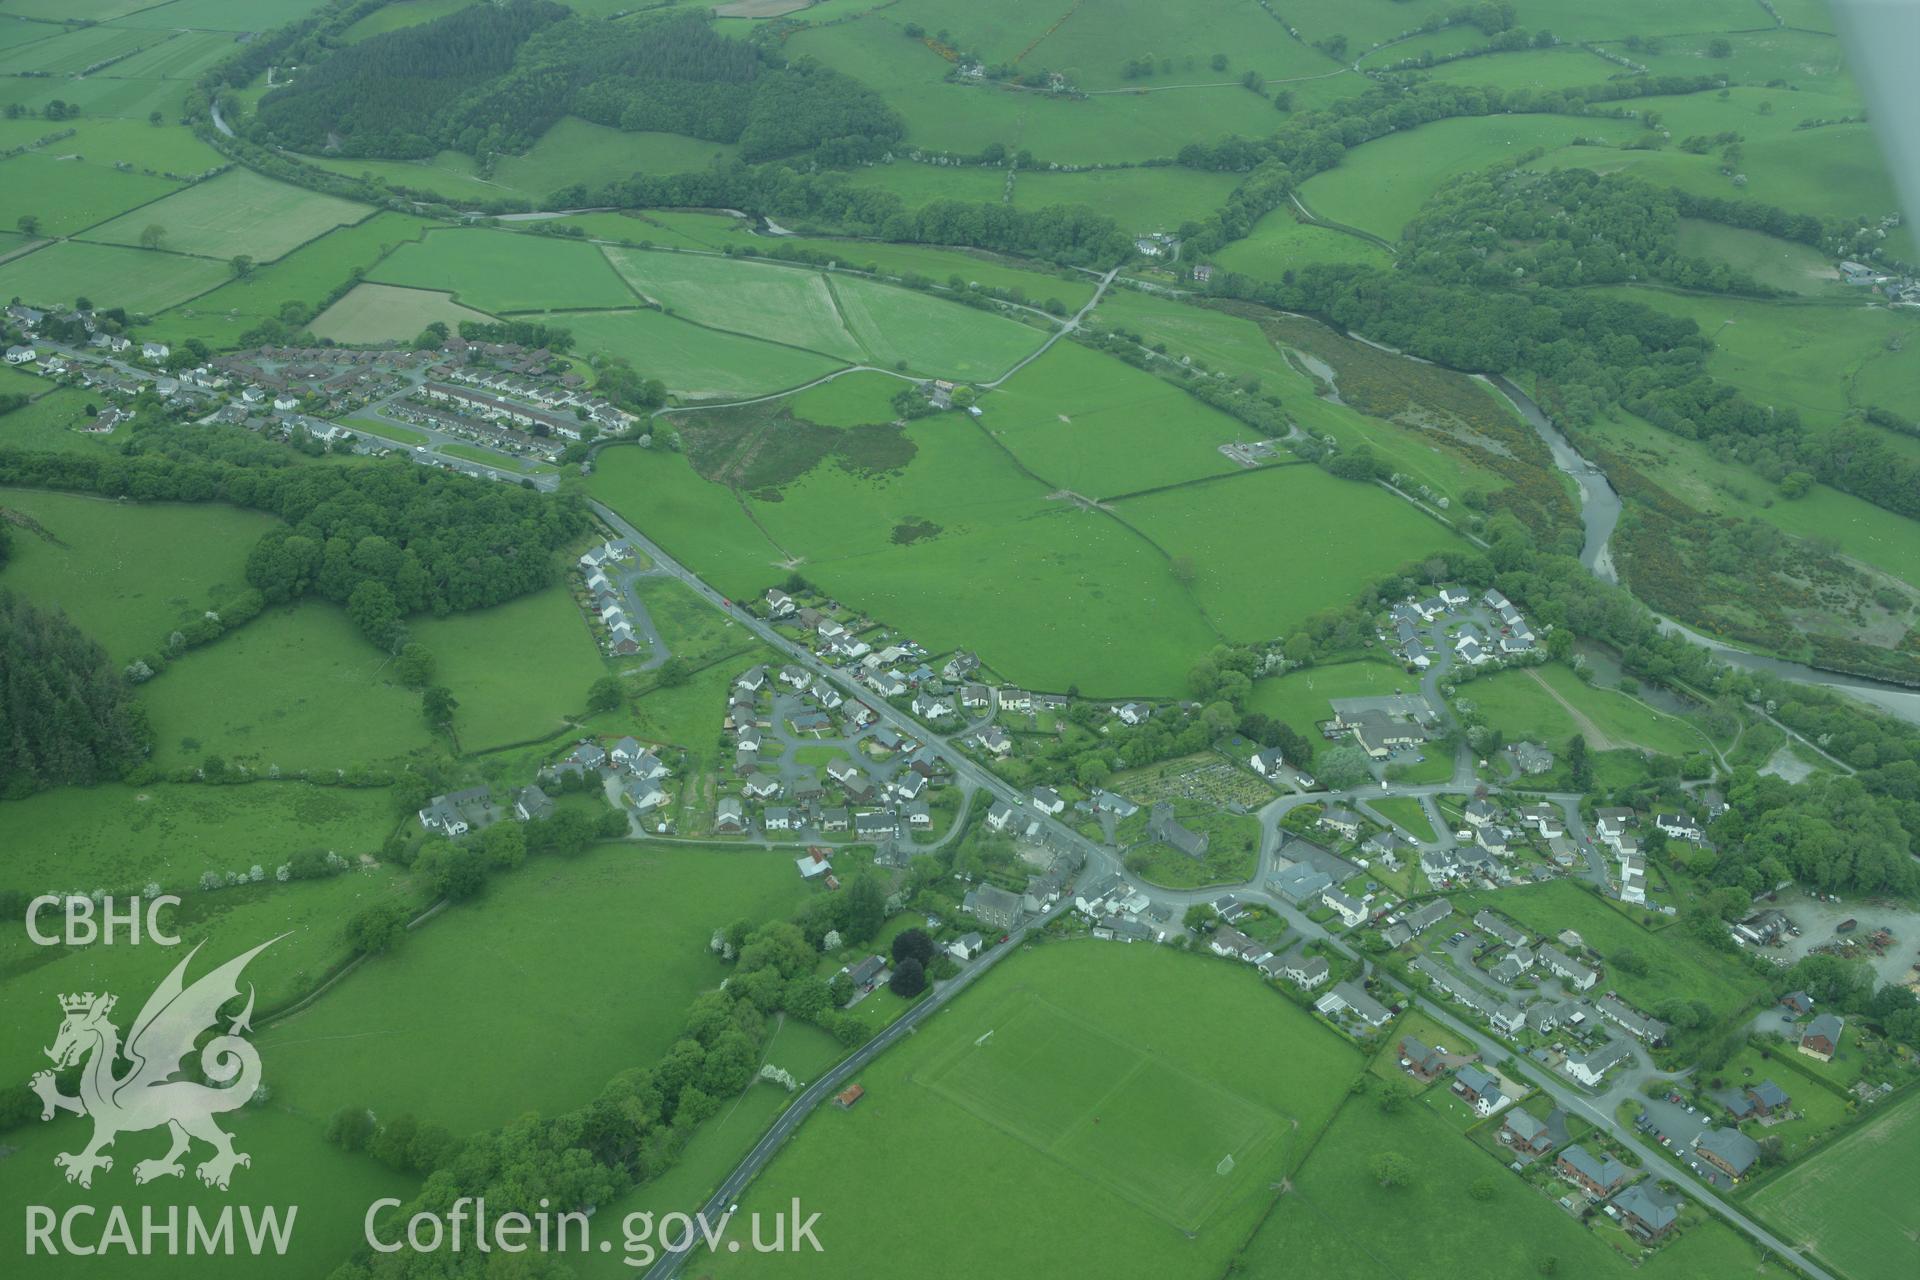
<point x="1080" y="1083"/>
<point x="238" y="212"/>
<point x="1850" y="1203"/>
<point x="112" y="276"/>
<point x="389" y="313"/>
<point x="499" y="271"/>
<point x="127" y="573"/>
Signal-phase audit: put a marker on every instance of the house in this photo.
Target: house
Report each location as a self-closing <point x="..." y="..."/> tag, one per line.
<point x="1499" y="929"/>
<point x="1768" y="1098"/>
<point x="919" y="817"/>
<point x="1350" y="910"/>
<point x="443" y="818"/>
<point x="761" y="786"/>
<point x="1798" y="1003"/>
<point x="21" y="355"/>
<point x="1530" y="758"/>
<point x="1342" y="821"/>
<point x="1301" y="883"/>
<point x="933" y="706"/>
<point x="1525" y="1132"/>
<point x="1493" y="838"/>
<point x="1164" y="827"/>
<point x="1508" y="1019"/>
<point x="1048" y="801"/>
<point x="1589" y="1067"/>
<point x="752" y="680"/>
<point x="975" y="696"/>
<point x="1597" y="1176"/>
<point x="1612" y="823"/>
<point x="1544" y="819"/>
<point x="1678" y="826"/>
<point x="1512" y="965"/>
<point x="909" y="785"/>
<point x="1268" y="763"/>
<point x="1576" y="975"/>
<point x="797" y="677"/>
<point x="530" y="804"/>
<point x="1428" y="915"/>
<point x="1132" y="713"/>
<point x="729" y="815"/>
<point x="1729" y="1150"/>
<point x="647" y="766"/>
<point x="999" y="815"/>
<point x="1386" y="846"/>
<point x="1481" y="813"/>
<point x="1015" y="700"/>
<point x="1350" y="998"/>
<point x="626" y="751"/>
<point x="588" y="755"/>
<point x="867" y="972"/>
<point x="812" y="863"/>
<point x="1418" y="1060"/>
<point x="644" y="795"/>
<point x="1821" y="1039"/>
<point x="1640" y="1026"/>
<point x="966" y="946"/>
<point x="1647" y="1212"/>
<point x="155" y="351"/>
<point x="1304" y="971"/>
<point x="875" y="824"/>
<point x="1121" y="929"/>
<point x="835" y="820"/>
<point x="993" y="906"/>
<point x="994" y="741"/>
<point x="779" y="603"/>
<point x="1479" y="1090"/>
<point x="777" y="818"/>
<point x="960" y="665"/>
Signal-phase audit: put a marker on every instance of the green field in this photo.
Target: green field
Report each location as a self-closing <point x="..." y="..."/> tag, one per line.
<point x="1516" y="702"/>
<point x="503" y="703"/>
<point x="399" y="14"/>
<point x="1083" y="1084"/>
<point x="1408" y="812"/>
<point x="1776" y="263"/>
<point x="1280" y="243"/>
<point x="694" y="362"/>
<point x="601" y="951"/>
<point x="1142" y="199"/>
<point x="1678" y="967"/>
<point x="1848" y="1202"/>
<point x="1300" y="697"/>
<point x="238" y="212"/>
<point x="499" y="271"/>
<point x="110" y="275"/>
<point x="152" y="151"/>
<point x="388" y="313"/>
<point x="928" y="335"/>
<point x="941" y="265"/>
<point x="849" y="401"/>
<point x="128" y="574"/>
<point x="296" y="688"/>
<point x="69" y="195"/>
<point x="54" y="420"/>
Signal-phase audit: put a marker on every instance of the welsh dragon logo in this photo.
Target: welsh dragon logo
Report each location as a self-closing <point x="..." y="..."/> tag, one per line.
<point x="147" y="1094"/>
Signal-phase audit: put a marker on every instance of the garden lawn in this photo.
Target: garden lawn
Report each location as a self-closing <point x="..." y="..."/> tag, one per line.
<point x="238" y="212"/>
<point x="601" y="954"/>
<point x="1851" y="1202"/>
<point x="1268" y="548"/>
<point x="112" y="276"/>
<point x="1080" y="1082"/>
<point x="389" y="313"/>
<point x="129" y="573"/>
<point x="694" y="362"/>
<point x="1408" y="813"/>
<point x="519" y="669"/>
<point x="297" y="688"/>
<point x="504" y="271"/>
<point x="1088" y="423"/>
<point x="1678" y="966"/>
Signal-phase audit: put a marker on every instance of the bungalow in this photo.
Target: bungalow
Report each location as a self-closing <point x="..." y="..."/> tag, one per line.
<point x="1048" y="801"/>
<point x="1350" y="910"/>
<point x="1418" y="1060"/>
<point x="1598" y="1177"/>
<point x="779" y="603"/>
<point x="1304" y="971"/>
<point x="1647" y="1212"/>
<point x="1636" y="1024"/>
<point x="1351" y="998"/>
<point x="992" y="905"/>
<point x="1768" y="1098"/>
<point x="1470" y="651"/>
<point x="975" y="695"/>
<point x="530" y="804"/>
<point x="1454" y="597"/>
<point x="1479" y="1090"/>
<point x="1576" y="975"/>
<point x="729" y="815"/>
<point x="966" y="946"/>
<point x="867" y="972"/>
<point x="1268" y="763"/>
<point x="1428" y="915"/>
<point x="1798" y="1003"/>
<point x="1821" y="1039"/>
<point x="1132" y="713"/>
<point x="961" y="664"/>
<point x="1114" y="803"/>
<point x="1589" y="1067"/>
<point x="1230" y="943"/>
<point x="1730" y="1150"/>
<point x="1495" y="601"/>
<point x="1489" y="923"/>
<point x="1121" y="929"/>
<point x="1341" y="820"/>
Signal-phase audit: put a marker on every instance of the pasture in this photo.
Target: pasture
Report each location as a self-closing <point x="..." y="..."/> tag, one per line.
<point x="792" y="306"/>
<point x="238" y="212"/>
<point x="498" y="271"/>
<point x="852" y="400"/>
<point x="112" y="276"/>
<point x="990" y="271"/>
<point x="152" y="152"/>
<point x="1848" y="1203"/>
<point x="69" y="195"/>
<point x="296" y="688"/>
<point x="1678" y="966"/>
<point x="600" y="954"/>
<point x="1280" y="243"/>
<point x="128" y="573"/>
<point x="1556" y="705"/>
<point x="694" y="362"/>
<point x="54" y="420"/>
<point x="1381" y="185"/>
<point x="1080" y="1082"/>
<point x="447" y="176"/>
<point x="579" y="151"/>
<point x="1142" y="199"/>
<point x="1779" y="264"/>
<point x="1307" y="539"/>
<point x="399" y="15"/>
<point x="389" y="313"/>
<point x="928" y="334"/>
<point x="506" y="704"/>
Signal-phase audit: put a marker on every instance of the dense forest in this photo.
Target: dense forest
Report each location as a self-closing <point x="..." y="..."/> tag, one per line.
<point x="492" y="78"/>
<point x="386" y="540"/>
<point x="66" y="715"/>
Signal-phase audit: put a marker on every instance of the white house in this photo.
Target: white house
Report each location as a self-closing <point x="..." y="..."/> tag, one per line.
<point x="1048" y="801"/>
<point x="1267" y="763"/>
<point x="155" y="351"/>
